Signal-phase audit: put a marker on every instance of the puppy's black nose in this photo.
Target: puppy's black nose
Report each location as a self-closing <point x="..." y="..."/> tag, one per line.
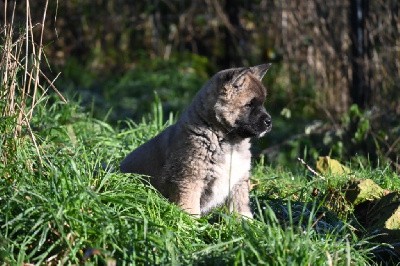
<point x="268" y="121"/>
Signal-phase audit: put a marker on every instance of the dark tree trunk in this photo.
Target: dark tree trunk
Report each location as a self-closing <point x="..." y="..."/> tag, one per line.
<point x="360" y="87"/>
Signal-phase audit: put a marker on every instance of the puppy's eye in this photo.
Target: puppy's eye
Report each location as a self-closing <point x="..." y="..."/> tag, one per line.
<point x="250" y="104"/>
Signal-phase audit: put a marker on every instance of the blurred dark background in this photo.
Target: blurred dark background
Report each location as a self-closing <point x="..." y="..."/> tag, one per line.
<point x="333" y="89"/>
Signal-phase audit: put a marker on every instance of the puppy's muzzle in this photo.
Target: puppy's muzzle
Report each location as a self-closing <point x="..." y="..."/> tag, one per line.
<point x="268" y="122"/>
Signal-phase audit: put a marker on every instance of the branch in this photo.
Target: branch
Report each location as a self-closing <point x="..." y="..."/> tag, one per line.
<point x="310" y="169"/>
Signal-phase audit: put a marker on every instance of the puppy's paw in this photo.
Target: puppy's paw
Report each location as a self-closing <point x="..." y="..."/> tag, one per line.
<point x="246" y="215"/>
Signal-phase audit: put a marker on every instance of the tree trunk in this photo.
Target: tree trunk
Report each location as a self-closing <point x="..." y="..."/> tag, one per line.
<point x="360" y="85"/>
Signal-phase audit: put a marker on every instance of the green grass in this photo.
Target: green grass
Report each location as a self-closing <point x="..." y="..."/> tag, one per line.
<point x="69" y="204"/>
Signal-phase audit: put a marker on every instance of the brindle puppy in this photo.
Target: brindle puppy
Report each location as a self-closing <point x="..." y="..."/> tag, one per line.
<point x="204" y="159"/>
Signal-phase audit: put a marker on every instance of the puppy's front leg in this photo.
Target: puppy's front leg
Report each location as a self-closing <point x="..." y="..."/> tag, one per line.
<point x="187" y="196"/>
<point x="239" y="200"/>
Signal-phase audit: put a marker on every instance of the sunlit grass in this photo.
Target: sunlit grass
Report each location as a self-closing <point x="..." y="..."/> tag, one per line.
<point x="76" y="207"/>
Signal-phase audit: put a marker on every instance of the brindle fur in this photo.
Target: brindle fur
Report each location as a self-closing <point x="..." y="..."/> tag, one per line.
<point x="204" y="159"/>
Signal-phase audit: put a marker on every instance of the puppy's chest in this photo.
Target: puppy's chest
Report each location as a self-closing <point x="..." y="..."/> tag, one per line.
<point x="230" y="168"/>
<point x="234" y="166"/>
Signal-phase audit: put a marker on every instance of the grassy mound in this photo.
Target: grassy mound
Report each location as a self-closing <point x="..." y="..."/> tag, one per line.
<point x="64" y="201"/>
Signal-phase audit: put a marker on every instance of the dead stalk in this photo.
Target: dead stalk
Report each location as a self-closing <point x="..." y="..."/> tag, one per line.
<point x="21" y="94"/>
<point x="310" y="169"/>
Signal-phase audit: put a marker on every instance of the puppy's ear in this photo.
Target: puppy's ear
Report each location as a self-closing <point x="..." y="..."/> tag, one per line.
<point x="260" y="70"/>
<point x="233" y="76"/>
<point x="238" y="77"/>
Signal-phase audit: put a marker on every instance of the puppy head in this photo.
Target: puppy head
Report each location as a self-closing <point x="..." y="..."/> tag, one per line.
<point x="239" y="107"/>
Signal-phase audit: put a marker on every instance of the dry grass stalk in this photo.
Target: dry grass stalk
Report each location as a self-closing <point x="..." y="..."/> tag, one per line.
<point x="23" y="83"/>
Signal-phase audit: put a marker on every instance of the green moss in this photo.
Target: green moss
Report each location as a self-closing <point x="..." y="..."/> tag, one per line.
<point x="327" y="165"/>
<point x="362" y="190"/>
